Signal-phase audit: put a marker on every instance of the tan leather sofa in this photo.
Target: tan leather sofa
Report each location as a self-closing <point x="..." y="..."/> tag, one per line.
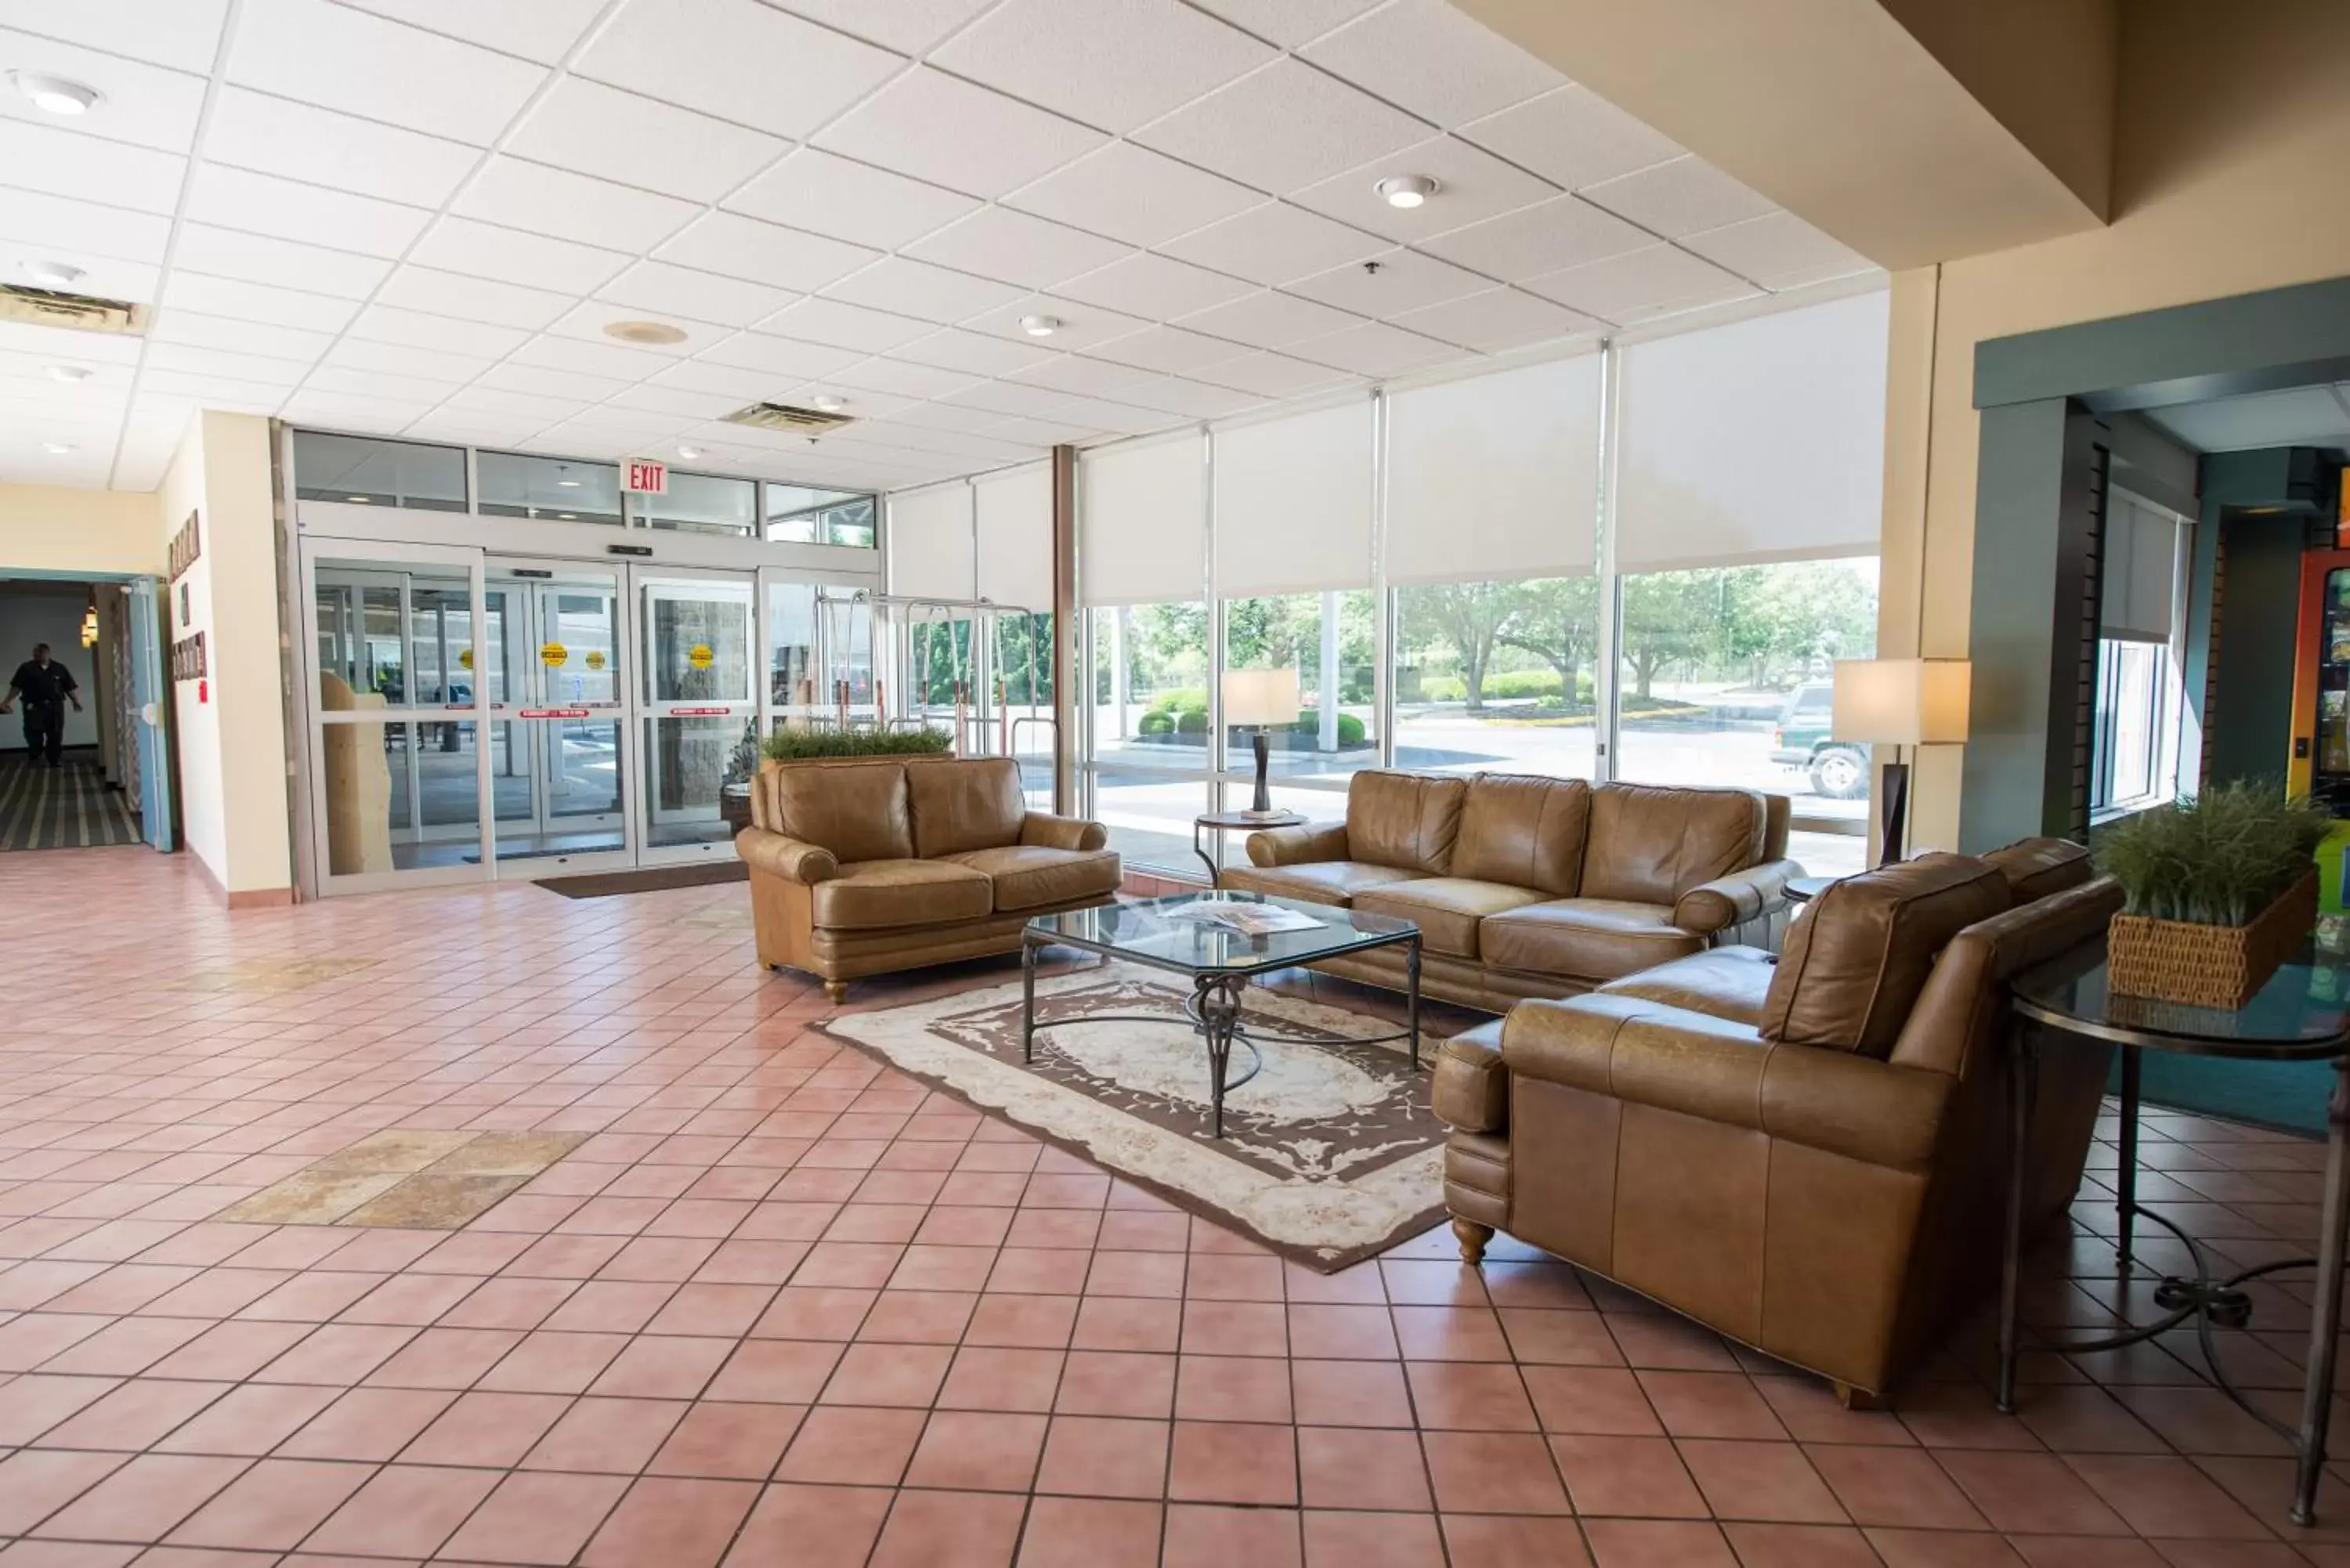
<point x="863" y="866"/>
<point x="1809" y="1156"/>
<point x="1535" y="887"/>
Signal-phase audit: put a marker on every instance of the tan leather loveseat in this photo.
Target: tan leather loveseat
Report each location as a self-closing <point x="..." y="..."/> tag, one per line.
<point x="1535" y="887"/>
<point x="1809" y="1156"/>
<point x="863" y="866"/>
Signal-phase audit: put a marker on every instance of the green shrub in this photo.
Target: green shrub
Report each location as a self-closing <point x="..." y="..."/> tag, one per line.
<point x="791" y="745"/>
<point x="1181" y="699"/>
<point x="2218" y="860"/>
<point x="1191" y="722"/>
<point x="1443" y="688"/>
<point x="1309" y="724"/>
<point x="1158" y="723"/>
<point x="1512" y="685"/>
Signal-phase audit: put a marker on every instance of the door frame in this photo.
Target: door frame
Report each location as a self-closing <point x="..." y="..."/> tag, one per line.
<point x="645" y="710"/>
<point x="532" y="867"/>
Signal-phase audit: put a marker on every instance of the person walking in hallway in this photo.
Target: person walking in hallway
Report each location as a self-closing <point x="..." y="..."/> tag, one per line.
<point x="47" y="687"/>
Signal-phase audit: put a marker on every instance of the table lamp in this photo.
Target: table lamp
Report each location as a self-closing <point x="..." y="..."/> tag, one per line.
<point x="1261" y="698"/>
<point x="1899" y="702"/>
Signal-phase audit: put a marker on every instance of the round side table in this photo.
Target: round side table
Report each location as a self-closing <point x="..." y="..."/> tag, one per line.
<point x="1229" y="821"/>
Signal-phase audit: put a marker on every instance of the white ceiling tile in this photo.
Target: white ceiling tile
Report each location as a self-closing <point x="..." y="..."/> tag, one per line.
<point x="669" y="291"/>
<point x="86" y="227"/>
<point x="953" y="349"/>
<point x="1168" y="349"/>
<point x="223" y="364"/>
<point x="779" y="356"/>
<point x="1156" y="286"/>
<point x="1284" y="128"/>
<point x="611" y="360"/>
<point x="1270" y="375"/>
<point x="512" y="255"/>
<point x="916" y="288"/>
<point x="1572" y="137"/>
<point x="1082" y="325"/>
<point x="1683" y="197"/>
<point x="896" y="378"/>
<point x="23" y="338"/>
<point x="1275" y="242"/>
<point x="1564" y="231"/>
<point x="1122" y="419"/>
<point x="474" y="427"/>
<point x="542" y="30"/>
<point x="842" y="326"/>
<point x="61" y="163"/>
<point x="744" y="247"/>
<point x="499" y="401"/>
<point x="200" y="331"/>
<point x="273" y="136"/>
<point x="676" y="400"/>
<point x="337" y="57"/>
<point x="1134" y="194"/>
<point x="396" y="359"/>
<point x="741" y="383"/>
<point x="227" y="253"/>
<point x="1497" y="319"/>
<point x="101" y="276"/>
<point x="998" y="243"/>
<point x="614" y="135"/>
<point x="995" y="144"/>
<point x="1374" y="349"/>
<point x="375" y="384"/>
<point x="1434" y="60"/>
<point x="591" y="321"/>
<point x="1041" y="434"/>
<point x="288" y="210"/>
<point x="1193" y="400"/>
<point x="182" y="33"/>
<point x="1777" y="250"/>
<point x="471" y="298"/>
<point x="1404" y="280"/>
<point x="1085" y="377"/>
<point x="852" y="201"/>
<point x="441" y="334"/>
<point x="1472" y="186"/>
<point x="522" y="195"/>
<point x="143" y="104"/>
<point x="908" y="27"/>
<point x="1110" y="63"/>
<point x="956" y="417"/>
<point x="1267" y="319"/>
<point x="737" y="59"/>
<point x="575" y="386"/>
<point x="257" y="302"/>
<point x="1631" y="288"/>
<point x="342" y="411"/>
<point x="1002" y="398"/>
<point x="1288" y="23"/>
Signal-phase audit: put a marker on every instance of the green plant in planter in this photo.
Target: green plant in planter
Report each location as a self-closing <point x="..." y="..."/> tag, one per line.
<point x="796" y="745"/>
<point x="2215" y="859"/>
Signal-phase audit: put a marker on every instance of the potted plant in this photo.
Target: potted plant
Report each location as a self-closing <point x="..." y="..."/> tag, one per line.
<point x="2218" y="890"/>
<point x="791" y="745"/>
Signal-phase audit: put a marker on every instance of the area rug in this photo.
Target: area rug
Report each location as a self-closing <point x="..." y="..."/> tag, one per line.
<point x="1330" y="1154"/>
<point x="654" y="879"/>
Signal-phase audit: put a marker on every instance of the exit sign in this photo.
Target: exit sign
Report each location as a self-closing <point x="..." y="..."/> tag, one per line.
<point x="647" y="477"/>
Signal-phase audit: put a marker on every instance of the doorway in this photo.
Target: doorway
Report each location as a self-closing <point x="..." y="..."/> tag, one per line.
<point x="77" y="771"/>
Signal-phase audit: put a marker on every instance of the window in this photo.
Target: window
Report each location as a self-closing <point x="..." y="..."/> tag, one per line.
<point x="1150" y="728"/>
<point x="1023" y="652"/>
<point x="2136" y="725"/>
<point x="701" y="503"/>
<point x="1331" y="639"/>
<point x="367" y="471"/>
<point x="514" y="485"/>
<point x="799" y="515"/>
<point x="1497" y="676"/>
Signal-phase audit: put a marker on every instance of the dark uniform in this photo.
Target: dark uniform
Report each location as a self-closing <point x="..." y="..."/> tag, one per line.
<point x="43" y="688"/>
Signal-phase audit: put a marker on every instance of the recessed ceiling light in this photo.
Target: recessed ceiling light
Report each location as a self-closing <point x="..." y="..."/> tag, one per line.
<point x="56" y="448"/>
<point x="55" y="95"/>
<point x="567" y="517"/>
<point x="660" y="332"/>
<point x="53" y="274"/>
<point x="1406" y="190"/>
<point x="826" y="403"/>
<point x="1040" y="325"/>
<point x="69" y="373"/>
<point x="688" y="453"/>
<point x="363" y="500"/>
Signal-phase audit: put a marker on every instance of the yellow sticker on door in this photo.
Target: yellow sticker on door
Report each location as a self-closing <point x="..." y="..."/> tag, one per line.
<point x="700" y="656"/>
<point x="552" y="654"/>
<point x="464" y="658"/>
<point x="594" y="658"/>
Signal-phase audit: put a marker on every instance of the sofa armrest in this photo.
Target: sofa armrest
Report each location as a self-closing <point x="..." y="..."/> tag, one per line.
<point x="1042" y="830"/>
<point x="1298" y="846"/>
<point x="1735" y="899"/>
<point x="1470" y="1090"/>
<point x="789" y="858"/>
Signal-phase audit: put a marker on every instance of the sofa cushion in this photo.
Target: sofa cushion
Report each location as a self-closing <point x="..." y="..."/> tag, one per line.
<point x="1585" y="938"/>
<point x="1651" y="843"/>
<point x="1528" y="832"/>
<point x="968" y="804"/>
<point x="857" y="810"/>
<point x="1031" y="876"/>
<point x="1854" y="964"/>
<point x="1447" y="910"/>
<point x="1728" y="983"/>
<point x="2035" y="868"/>
<point x="1316" y="881"/>
<point x="1404" y="820"/>
<point x="873" y="893"/>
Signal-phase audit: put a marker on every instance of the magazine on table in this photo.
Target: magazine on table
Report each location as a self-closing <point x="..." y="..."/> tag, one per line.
<point x="1249" y="920"/>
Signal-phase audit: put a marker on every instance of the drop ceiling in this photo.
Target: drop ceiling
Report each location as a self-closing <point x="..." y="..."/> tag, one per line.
<point x="2296" y="416"/>
<point x="418" y="217"/>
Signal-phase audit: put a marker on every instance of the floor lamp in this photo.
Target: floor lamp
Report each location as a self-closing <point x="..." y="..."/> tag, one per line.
<point x="1902" y="703"/>
<point x="1261" y="698"/>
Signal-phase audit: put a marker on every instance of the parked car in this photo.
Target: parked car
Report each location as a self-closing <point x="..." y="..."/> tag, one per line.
<point x="1838" y="769"/>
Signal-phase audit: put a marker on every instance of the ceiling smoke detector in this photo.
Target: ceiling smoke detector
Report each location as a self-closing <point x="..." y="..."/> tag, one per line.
<point x="54" y="274"/>
<point x="1040" y="325"/>
<point x="688" y="453"/>
<point x="828" y="403"/>
<point x="809" y="422"/>
<point x="55" y="95"/>
<point x="69" y="373"/>
<point x="659" y="334"/>
<point x="1405" y="190"/>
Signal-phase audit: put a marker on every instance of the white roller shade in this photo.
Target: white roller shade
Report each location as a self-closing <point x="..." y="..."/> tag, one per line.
<point x="2140" y="570"/>
<point x="1014" y="511"/>
<point x="1141" y="531"/>
<point x="1294" y="504"/>
<point x="931" y="542"/>
<point x="1495" y="477"/>
<point x="1759" y="440"/>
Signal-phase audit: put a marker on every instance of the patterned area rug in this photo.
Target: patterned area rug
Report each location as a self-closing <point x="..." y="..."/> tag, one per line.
<point x="1330" y="1153"/>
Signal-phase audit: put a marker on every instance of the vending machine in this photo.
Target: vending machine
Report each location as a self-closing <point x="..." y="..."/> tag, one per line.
<point x="2320" y="765"/>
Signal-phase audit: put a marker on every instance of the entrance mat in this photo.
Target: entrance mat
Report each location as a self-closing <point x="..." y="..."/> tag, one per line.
<point x="409" y="1177"/>
<point x="69" y="807"/>
<point x="1330" y="1154"/>
<point x="611" y="884"/>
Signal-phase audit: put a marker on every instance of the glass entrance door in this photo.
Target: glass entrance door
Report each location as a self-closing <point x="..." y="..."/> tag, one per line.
<point x="558" y="731"/>
<point x="700" y="711"/>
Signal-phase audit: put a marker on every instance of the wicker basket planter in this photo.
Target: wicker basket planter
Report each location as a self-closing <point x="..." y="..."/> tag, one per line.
<point x="2208" y="966"/>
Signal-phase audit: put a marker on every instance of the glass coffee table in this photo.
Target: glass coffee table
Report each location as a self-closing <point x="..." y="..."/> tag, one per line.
<point x="1220" y="962"/>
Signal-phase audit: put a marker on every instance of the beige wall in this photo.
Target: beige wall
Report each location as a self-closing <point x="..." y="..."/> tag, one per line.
<point x="51" y="528"/>
<point x="2233" y="132"/>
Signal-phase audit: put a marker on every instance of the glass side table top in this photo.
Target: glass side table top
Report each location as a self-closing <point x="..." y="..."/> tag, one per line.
<point x="1143" y="931"/>
<point x="2302" y="1013"/>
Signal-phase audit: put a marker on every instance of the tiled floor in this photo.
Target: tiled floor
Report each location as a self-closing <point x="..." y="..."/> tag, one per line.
<point x="781" y="1308"/>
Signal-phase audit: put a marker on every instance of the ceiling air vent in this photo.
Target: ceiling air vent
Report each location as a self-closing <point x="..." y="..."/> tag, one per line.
<point x="80" y="312"/>
<point x="784" y="417"/>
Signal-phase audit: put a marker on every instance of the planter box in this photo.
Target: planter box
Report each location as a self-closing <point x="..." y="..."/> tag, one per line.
<point x="2208" y="966"/>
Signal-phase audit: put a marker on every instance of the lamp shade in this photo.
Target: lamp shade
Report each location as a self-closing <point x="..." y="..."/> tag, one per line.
<point x="1900" y="702"/>
<point x="1260" y="696"/>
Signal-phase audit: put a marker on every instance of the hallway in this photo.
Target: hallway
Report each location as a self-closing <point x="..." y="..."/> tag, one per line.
<point x="65" y="807"/>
